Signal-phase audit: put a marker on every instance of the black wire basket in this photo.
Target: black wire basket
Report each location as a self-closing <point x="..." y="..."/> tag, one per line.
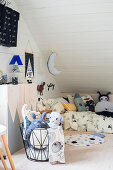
<point x="37" y="146"/>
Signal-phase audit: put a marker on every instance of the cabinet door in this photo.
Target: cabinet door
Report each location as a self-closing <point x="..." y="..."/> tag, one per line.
<point x="31" y="96"/>
<point x="13" y="98"/>
<point x="3" y="105"/>
<point x="15" y="102"/>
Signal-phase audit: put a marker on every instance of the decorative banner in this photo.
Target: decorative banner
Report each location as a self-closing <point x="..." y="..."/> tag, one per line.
<point x="29" y="65"/>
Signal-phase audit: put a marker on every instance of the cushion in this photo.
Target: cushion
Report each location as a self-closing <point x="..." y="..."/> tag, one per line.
<point x="86" y="99"/>
<point x="54" y="104"/>
<point x="58" y="107"/>
<point x="70" y="106"/>
<point x="79" y="103"/>
<point x="48" y="103"/>
<point x="66" y="98"/>
<point x="70" y="98"/>
<point x="62" y="100"/>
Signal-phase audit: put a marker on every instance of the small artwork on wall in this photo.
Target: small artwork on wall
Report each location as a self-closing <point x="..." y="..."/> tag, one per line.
<point x="51" y="85"/>
<point x="29" y="66"/>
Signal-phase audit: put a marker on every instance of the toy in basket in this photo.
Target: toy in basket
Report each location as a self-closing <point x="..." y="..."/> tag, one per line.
<point x="43" y="141"/>
<point x="35" y="135"/>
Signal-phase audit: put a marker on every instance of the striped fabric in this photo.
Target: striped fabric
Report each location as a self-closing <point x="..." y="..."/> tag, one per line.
<point x="70" y="106"/>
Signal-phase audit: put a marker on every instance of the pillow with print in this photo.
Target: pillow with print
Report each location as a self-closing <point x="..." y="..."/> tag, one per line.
<point x="79" y="103"/>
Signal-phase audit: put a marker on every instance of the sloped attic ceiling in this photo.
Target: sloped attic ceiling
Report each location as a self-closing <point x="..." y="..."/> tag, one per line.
<point x="81" y="33"/>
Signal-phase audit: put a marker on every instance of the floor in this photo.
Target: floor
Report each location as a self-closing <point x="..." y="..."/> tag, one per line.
<point x="77" y="158"/>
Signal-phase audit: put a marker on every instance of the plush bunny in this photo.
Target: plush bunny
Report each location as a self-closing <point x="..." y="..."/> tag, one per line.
<point x="104" y="107"/>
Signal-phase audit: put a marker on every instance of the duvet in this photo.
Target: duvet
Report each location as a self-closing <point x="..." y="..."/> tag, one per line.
<point x="88" y="121"/>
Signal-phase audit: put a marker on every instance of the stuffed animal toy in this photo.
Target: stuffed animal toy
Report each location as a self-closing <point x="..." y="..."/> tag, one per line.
<point x="37" y="123"/>
<point x="91" y="106"/>
<point x="104" y="107"/>
<point x="28" y="115"/>
<point x="55" y="119"/>
<point x="40" y="107"/>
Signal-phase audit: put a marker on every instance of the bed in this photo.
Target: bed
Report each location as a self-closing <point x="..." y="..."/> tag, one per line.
<point x="87" y="121"/>
<point x="81" y="121"/>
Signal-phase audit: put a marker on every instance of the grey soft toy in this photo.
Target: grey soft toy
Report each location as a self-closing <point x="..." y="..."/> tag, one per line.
<point x="104" y="107"/>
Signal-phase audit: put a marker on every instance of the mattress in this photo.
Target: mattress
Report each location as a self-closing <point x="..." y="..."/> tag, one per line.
<point x="87" y="121"/>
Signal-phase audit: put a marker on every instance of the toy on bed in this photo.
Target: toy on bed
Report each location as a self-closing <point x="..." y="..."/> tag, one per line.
<point x="40" y="107"/>
<point x="91" y="105"/>
<point x="104" y="107"/>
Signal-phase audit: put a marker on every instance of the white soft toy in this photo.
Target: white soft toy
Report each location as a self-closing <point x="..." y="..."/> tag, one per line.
<point x="104" y="107"/>
<point x="40" y="107"/>
<point x="55" y="119"/>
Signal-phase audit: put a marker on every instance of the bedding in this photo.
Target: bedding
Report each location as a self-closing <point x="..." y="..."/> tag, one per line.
<point x="88" y="121"/>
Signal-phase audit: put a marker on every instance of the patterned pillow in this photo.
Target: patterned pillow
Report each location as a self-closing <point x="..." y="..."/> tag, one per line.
<point x="48" y="103"/>
<point x="70" y="98"/>
<point x="62" y="100"/>
<point x="58" y="107"/>
<point x="88" y="99"/>
<point x="70" y="106"/>
<point x="79" y="103"/>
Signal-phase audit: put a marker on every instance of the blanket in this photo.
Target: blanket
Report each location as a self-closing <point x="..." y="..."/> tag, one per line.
<point x="56" y="145"/>
<point x="88" y="121"/>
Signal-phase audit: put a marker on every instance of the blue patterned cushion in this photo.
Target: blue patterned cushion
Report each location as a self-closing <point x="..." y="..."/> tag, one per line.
<point x="79" y="103"/>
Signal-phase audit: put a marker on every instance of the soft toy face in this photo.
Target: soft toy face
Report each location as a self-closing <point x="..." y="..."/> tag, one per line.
<point x="54" y="119"/>
<point x="104" y="105"/>
<point x="104" y="98"/>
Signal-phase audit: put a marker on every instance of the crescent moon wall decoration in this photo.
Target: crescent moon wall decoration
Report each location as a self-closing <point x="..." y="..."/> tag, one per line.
<point x="51" y="66"/>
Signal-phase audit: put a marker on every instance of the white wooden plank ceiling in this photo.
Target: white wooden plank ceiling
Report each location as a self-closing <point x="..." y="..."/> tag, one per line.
<point x="81" y="33"/>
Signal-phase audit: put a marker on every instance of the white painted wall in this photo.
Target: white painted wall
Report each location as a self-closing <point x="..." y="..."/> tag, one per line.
<point x="81" y="33"/>
<point x="41" y="71"/>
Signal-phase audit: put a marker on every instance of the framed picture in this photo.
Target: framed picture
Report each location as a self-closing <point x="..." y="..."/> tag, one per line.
<point x="29" y="65"/>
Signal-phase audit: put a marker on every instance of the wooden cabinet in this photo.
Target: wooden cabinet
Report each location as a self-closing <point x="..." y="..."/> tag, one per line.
<point x="12" y="98"/>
